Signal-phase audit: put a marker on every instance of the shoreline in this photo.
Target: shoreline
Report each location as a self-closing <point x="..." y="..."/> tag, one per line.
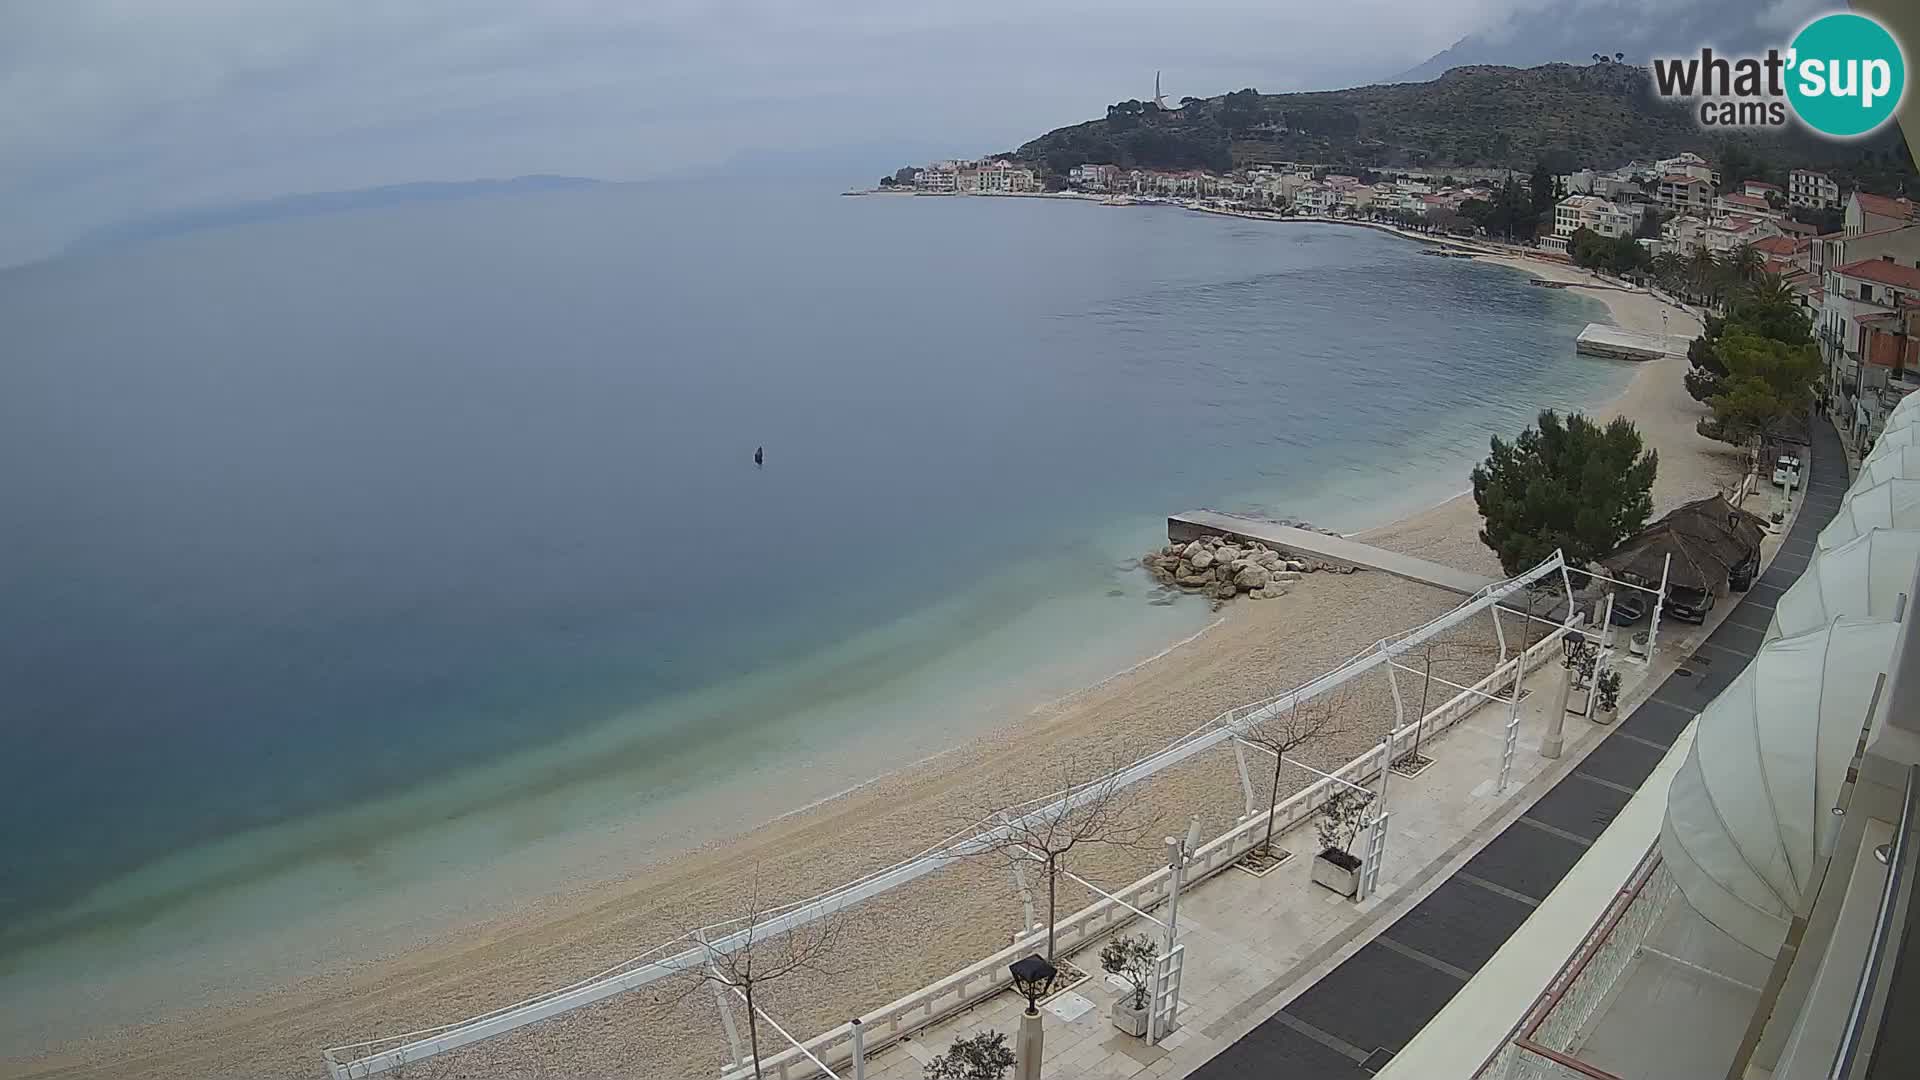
<point x="580" y="925"/>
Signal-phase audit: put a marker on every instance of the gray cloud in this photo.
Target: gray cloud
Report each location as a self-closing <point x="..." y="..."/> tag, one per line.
<point x="119" y="107"/>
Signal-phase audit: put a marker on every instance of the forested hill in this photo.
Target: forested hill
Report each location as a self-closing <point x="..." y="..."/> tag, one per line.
<point x="1601" y="114"/>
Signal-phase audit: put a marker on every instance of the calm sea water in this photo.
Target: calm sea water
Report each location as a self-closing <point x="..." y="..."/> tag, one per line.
<point x="440" y="526"/>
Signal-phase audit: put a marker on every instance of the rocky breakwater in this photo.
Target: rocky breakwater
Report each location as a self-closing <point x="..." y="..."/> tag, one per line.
<point x="1223" y="568"/>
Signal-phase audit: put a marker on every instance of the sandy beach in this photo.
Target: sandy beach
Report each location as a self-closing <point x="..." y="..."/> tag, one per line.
<point x="923" y="931"/>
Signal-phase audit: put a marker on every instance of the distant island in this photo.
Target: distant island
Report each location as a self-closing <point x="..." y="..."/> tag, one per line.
<point x="314" y="204"/>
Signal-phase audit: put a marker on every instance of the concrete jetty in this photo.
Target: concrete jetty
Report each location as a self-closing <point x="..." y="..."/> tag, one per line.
<point x="1614" y="343"/>
<point x="1323" y="548"/>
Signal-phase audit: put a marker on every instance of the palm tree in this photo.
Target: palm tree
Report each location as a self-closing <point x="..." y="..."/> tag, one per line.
<point x="1745" y="264"/>
<point x="1619" y="58"/>
<point x="1772" y="291"/>
<point x="1668" y="270"/>
<point x="1596" y="58"/>
<point x="1703" y="272"/>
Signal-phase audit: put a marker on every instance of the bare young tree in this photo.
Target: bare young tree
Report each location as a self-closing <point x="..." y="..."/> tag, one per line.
<point x="1088" y="807"/>
<point x="766" y="956"/>
<point x="1318" y="718"/>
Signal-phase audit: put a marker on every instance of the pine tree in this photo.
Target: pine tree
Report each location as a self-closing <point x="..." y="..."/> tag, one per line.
<point x="1572" y="485"/>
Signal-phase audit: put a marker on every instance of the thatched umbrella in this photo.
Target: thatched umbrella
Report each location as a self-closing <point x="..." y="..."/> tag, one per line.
<point x="1707" y="539"/>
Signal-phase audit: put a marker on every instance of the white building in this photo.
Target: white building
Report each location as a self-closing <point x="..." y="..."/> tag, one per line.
<point x="1093" y="177"/>
<point x="1808" y="188"/>
<point x="939" y="178"/>
<point x="1688" y="165"/>
<point x="1603" y="216"/>
<point x="1684" y="193"/>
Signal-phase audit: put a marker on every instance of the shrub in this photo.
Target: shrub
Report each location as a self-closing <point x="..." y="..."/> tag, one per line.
<point x="984" y="1056"/>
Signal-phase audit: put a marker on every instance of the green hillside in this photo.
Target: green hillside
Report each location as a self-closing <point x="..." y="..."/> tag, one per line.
<point x="1569" y="116"/>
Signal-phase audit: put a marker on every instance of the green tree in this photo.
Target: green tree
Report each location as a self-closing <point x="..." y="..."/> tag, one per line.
<point x="1542" y="184"/>
<point x="1768" y="384"/>
<point x="1572" y="485"/>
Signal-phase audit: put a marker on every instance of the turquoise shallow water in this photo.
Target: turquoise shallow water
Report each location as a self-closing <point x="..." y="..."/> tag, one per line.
<point x="348" y="555"/>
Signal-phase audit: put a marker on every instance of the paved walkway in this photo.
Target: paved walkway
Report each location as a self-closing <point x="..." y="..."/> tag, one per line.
<point x="1323" y="548"/>
<point x="1351" y="1022"/>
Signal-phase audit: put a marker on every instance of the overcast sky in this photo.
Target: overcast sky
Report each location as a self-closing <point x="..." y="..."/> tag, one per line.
<point x="112" y="108"/>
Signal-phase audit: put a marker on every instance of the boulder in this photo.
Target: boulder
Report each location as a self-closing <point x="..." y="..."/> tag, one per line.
<point x="1161" y="573"/>
<point x="1296" y="566"/>
<point x="1229" y="553"/>
<point x="1266" y="557"/>
<point x="1271" y="592"/>
<point x="1251" y="577"/>
<point x="1192" y="549"/>
<point x="1150" y="560"/>
<point x="1194" y="581"/>
<point x="1201" y="559"/>
<point x="1284" y="575"/>
<point x="1225" y="591"/>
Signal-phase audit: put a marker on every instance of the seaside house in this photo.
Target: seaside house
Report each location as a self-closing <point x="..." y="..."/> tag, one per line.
<point x="1760" y="189"/>
<point x="1318" y="198"/>
<point x="1734" y="230"/>
<point x="1690" y="165"/>
<point x="1869" y="213"/>
<point x="1684" y="193"/>
<point x="1871" y="296"/>
<point x="1603" y="216"/>
<point x="1842" y="303"/>
<point x="1091" y="177"/>
<point x="1749" y="204"/>
<point x="1805" y="187"/>
<point x="939" y="178"/>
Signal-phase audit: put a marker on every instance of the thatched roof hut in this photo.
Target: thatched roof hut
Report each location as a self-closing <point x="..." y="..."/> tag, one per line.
<point x="1707" y="539"/>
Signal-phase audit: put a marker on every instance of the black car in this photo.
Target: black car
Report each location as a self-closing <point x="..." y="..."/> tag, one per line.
<point x="1688" y="605"/>
<point x="1740" y="578"/>
<point x="1629" y="608"/>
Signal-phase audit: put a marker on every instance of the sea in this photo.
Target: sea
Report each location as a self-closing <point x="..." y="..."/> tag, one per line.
<point x="394" y="566"/>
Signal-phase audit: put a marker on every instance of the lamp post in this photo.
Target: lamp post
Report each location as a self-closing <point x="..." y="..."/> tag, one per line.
<point x="1032" y="978"/>
<point x="1575" y="644"/>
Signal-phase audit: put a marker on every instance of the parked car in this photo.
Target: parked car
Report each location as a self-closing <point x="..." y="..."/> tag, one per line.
<point x="1629" y="607"/>
<point x="1688" y="605"/>
<point x="1786" y="471"/>
<point x="1740" y="578"/>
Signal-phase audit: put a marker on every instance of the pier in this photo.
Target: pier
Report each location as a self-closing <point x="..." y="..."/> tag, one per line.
<point x="1321" y="547"/>
<point x="1614" y="343"/>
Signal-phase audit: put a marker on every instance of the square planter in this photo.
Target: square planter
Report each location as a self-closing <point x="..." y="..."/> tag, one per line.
<point x="1129" y="1019"/>
<point x="1338" y="871"/>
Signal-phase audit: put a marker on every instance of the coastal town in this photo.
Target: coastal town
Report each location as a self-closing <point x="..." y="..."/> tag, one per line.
<point x="1850" y="257"/>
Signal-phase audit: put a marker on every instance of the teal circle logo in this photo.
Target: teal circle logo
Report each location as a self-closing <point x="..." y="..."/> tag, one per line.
<point x="1847" y="75"/>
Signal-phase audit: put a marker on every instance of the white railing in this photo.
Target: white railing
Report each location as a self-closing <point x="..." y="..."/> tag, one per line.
<point x="368" y="1058"/>
<point x="969" y="986"/>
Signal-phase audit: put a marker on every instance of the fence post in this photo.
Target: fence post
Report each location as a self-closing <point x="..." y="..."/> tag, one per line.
<point x="859" y="1051"/>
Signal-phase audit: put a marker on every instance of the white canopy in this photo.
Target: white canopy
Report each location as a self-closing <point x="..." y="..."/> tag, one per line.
<point x="1901" y="463"/>
<point x="1748" y="814"/>
<point x="1905" y="411"/>
<point x="1889" y="504"/>
<point x="1893" y="439"/>
<point x="1863" y="578"/>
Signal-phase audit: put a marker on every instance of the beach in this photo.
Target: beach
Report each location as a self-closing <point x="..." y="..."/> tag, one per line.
<point x="917" y="933"/>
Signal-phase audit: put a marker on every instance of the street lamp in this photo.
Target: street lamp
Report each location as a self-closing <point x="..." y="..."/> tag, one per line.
<point x="1032" y="978"/>
<point x="1575" y="644"/>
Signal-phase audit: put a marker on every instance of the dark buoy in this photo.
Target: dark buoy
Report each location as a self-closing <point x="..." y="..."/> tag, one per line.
<point x="759" y="456"/>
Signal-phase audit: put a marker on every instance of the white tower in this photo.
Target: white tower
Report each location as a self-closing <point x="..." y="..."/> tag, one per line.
<point x="1159" y="99"/>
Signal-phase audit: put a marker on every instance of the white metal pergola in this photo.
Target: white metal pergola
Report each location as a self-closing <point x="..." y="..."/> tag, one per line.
<point x="690" y="954"/>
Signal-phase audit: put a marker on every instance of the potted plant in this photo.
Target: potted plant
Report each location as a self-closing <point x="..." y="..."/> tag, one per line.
<point x="984" y="1056"/>
<point x="1132" y="959"/>
<point x="1338" y="824"/>
<point x="1608" y="689"/>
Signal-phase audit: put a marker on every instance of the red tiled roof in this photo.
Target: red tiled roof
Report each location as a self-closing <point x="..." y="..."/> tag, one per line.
<point x="1754" y="201"/>
<point x="1799" y="227"/>
<point x="1779" y="245"/>
<point x="1760" y="184"/>
<point x="1884" y="272"/>
<point x="1883" y="206"/>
